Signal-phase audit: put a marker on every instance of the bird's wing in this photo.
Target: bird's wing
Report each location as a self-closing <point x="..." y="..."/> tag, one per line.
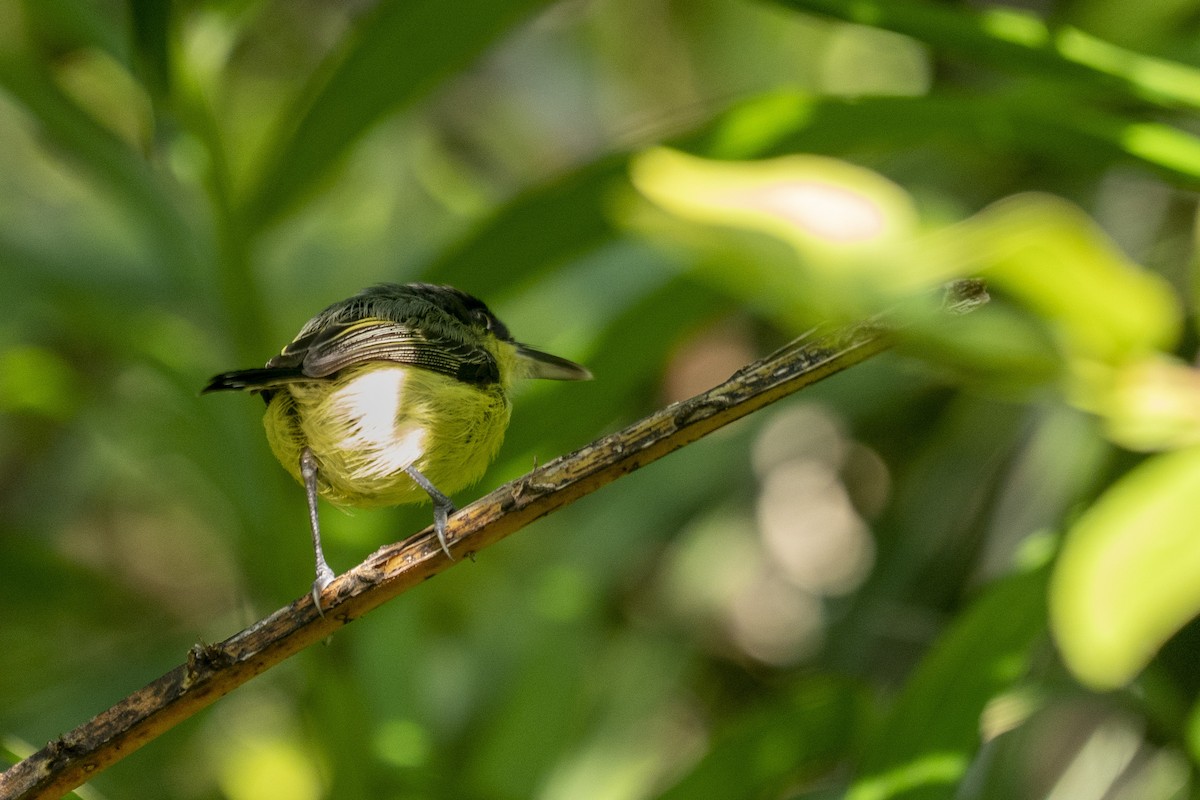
<point x="340" y="345"/>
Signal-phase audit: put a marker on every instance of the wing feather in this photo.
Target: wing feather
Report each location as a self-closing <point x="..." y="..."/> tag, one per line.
<point x="329" y="349"/>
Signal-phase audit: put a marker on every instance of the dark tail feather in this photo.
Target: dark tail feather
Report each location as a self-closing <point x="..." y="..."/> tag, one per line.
<point x="254" y="380"/>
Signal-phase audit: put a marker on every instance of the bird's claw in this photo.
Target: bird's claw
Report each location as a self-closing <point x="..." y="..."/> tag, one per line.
<point x="441" y="516"/>
<point x="324" y="578"/>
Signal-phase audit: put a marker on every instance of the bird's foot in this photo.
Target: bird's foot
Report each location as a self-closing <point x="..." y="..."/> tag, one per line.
<point x="324" y="578"/>
<point x="441" y="516"/>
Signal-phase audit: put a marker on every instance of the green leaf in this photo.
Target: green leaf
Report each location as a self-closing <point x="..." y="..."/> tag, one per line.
<point x="535" y="231"/>
<point x="397" y="54"/>
<point x="997" y="347"/>
<point x="761" y="753"/>
<point x="60" y="25"/>
<point x="1127" y="576"/>
<point x="151" y="23"/>
<point x="1150" y="404"/>
<point x="814" y="203"/>
<point x="845" y="227"/>
<point x="1020" y="39"/>
<point x="1058" y="261"/>
<point x="106" y="159"/>
<point x="927" y="742"/>
<point x="1001" y="122"/>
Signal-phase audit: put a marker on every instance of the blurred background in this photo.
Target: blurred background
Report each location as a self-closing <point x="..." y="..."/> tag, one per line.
<point x="965" y="569"/>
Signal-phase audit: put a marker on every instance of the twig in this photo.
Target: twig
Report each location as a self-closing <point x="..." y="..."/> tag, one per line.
<point x="211" y="671"/>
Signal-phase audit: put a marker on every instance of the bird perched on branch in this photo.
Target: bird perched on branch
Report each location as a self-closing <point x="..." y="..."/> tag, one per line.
<point x="396" y="395"/>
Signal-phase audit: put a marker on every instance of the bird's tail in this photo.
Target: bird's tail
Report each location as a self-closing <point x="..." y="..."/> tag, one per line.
<point x="252" y="380"/>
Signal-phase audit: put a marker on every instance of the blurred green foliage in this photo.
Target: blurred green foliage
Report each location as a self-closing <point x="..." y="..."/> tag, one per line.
<point x="965" y="569"/>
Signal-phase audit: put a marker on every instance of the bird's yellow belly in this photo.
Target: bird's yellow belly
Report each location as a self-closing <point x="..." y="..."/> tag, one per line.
<point x="370" y="423"/>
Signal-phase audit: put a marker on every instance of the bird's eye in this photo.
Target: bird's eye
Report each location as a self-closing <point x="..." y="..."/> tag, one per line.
<point x="493" y="325"/>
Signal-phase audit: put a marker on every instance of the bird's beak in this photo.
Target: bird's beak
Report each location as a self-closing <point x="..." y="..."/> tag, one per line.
<point x="536" y="364"/>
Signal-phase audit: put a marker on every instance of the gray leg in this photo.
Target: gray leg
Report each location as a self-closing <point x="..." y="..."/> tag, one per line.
<point x="308" y="471"/>
<point x="442" y="507"/>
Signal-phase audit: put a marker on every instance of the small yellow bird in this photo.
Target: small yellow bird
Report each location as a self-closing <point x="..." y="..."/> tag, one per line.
<point x="392" y="396"/>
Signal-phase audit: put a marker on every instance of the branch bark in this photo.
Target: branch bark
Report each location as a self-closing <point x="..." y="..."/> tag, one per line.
<point x="211" y="671"/>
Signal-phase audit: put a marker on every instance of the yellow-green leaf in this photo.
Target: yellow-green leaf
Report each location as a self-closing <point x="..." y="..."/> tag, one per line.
<point x="1129" y="573"/>
<point x="815" y="203"/>
<point x="1050" y="255"/>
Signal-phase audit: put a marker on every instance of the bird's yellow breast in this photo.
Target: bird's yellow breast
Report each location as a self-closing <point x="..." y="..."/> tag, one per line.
<point x="370" y="422"/>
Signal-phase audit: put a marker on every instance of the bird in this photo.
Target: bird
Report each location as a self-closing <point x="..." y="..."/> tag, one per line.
<point x="399" y="394"/>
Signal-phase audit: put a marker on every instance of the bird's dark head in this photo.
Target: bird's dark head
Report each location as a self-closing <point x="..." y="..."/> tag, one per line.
<point x="460" y="307"/>
<point x="515" y="360"/>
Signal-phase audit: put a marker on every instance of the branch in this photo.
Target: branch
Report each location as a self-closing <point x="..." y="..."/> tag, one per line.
<point x="211" y="671"/>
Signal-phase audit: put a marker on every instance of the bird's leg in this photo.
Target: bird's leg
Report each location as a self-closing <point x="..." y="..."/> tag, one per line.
<point x="443" y="507"/>
<point x="308" y="471"/>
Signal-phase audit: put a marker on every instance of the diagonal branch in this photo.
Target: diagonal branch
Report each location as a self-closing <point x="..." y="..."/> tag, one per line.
<point x="212" y="671"/>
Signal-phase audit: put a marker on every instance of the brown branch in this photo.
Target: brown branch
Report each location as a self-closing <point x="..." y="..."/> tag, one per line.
<point x="211" y="671"/>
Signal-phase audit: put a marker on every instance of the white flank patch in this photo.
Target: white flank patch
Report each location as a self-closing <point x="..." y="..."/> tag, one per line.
<point x="369" y="407"/>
